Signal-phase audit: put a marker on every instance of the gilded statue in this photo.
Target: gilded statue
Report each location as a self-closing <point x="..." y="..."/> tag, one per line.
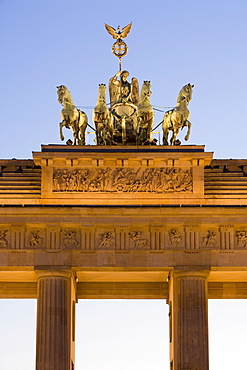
<point x="118" y="34"/>
<point x="71" y="116"/>
<point x="145" y="117"/>
<point x="124" y="97"/>
<point x="122" y="91"/>
<point x="102" y="118"/>
<point x="119" y="48"/>
<point x="129" y="117"/>
<point x="178" y="118"/>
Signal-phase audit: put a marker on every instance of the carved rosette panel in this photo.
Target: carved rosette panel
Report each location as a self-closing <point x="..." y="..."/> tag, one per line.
<point x="123" y="180"/>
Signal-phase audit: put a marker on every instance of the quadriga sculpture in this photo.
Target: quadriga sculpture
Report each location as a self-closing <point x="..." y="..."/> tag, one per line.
<point x="102" y="119"/>
<point x="71" y="116"/>
<point x="124" y="98"/>
<point x="145" y="114"/>
<point x="178" y="118"/>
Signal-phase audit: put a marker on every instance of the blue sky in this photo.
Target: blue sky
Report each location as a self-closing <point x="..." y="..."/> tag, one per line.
<point x="48" y="43"/>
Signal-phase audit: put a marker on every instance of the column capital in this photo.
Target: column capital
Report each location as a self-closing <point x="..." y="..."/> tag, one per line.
<point x="53" y="273"/>
<point x="190" y="274"/>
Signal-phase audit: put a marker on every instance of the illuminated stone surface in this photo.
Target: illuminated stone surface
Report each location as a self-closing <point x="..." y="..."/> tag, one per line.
<point x="113" y="222"/>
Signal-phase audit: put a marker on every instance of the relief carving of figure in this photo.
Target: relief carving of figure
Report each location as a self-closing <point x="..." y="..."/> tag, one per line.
<point x="105" y="241"/>
<point x="3" y="240"/>
<point x="123" y="180"/>
<point x="241" y="239"/>
<point x="138" y="241"/>
<point x="209" y="241"/>
<point x="175" y="238"/>
<point x="70" y="240"/>
<point x="34" y="240"/>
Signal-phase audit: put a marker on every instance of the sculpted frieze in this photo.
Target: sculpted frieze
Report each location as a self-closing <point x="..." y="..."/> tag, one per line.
<point x="3" y="239"/>
<point x="241" y="239"/>
<point x="138" y="242"/>
<point x="175" y="238"/>
<point x="123" y="180"/>
<point x="69" y="239"/>
<point x="209" y="241"/>
<point x="34" y="240"/>
<point x="105" y="241"/>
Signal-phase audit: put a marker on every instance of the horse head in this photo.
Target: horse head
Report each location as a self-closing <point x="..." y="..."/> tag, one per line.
<point x="146" y="89"/>
<point x="185" y="94"/>
<point x="101" y="93"/>
<point x="62" y="92"/>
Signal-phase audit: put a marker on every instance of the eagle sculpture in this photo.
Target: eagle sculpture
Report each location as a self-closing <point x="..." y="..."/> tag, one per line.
<point x="118" y="34"/>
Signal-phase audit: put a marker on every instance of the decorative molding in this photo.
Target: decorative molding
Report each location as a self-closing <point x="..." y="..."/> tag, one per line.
<point x="122" y="238"/>
<point x="123" y="180"/>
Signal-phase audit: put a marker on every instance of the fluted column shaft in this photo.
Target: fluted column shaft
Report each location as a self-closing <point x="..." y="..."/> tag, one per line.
<point x="189" y="321"/>
<point x="54" y="348"/>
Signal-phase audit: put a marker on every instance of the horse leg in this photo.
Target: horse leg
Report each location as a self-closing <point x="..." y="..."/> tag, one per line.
<point x="61" y="125"/>
<point x="81" y="132"/>
<point x="165" y="133"/>
<point x="174" y="136"/>
<point x="75" y="130"/>
<point x="75" y="134"/>
<point x="188" y="124"/>
<point x="165" y="136"/>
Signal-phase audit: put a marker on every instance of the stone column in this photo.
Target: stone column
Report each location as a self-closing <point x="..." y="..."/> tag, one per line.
<point x="55" y="320"/>
<point x="188" y="321"/>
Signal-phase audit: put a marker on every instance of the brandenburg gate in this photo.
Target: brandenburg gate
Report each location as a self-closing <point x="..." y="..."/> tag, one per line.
<point x="150" y="222"/>
<point x="123" y="219"/>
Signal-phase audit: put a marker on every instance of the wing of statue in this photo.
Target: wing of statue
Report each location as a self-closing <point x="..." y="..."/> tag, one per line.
<point x="126" y="31"/>
<point x="114" y="90"/>
<point x="111" y="31"/>
<point x="134" y="91"/>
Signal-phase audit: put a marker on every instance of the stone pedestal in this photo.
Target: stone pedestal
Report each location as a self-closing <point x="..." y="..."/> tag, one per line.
<point x="189" y="321"/>
<point x="55" y="321"/>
